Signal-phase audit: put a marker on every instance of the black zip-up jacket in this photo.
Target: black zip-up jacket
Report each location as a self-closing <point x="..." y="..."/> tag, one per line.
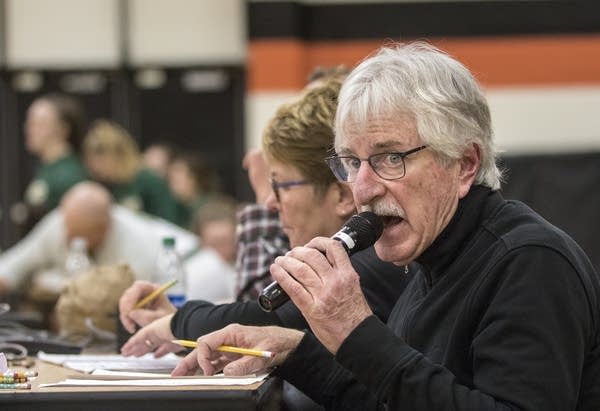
<point x="504" y="315"/>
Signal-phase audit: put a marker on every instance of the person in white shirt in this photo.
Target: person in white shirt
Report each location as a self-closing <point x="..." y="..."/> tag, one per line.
<point x="209" y="277"/>
<point x="114" y="235"/>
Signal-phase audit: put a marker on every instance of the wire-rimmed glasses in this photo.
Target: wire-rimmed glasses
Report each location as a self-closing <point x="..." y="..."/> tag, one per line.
<point x="389" y="166"/>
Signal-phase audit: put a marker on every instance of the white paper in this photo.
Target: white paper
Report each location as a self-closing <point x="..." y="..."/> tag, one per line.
<point x="129" y="374"/>
<point x="115" y="375"/>
<point x="159" y="382"/>
<point x="90" y="362"/>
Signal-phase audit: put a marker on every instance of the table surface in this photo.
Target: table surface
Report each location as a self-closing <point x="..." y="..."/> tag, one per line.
<point x="261" y="395"/>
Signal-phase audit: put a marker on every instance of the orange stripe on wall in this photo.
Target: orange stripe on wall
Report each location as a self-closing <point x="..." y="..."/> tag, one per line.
<point x="496" y="61"/>
<point x="277" y="65"/>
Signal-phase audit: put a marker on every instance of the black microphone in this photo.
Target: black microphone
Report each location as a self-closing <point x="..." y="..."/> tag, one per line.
<point x="359" y="232"/>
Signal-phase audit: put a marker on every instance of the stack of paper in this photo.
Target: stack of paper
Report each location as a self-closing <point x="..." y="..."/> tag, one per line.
<point x="89" y="363"/>
<point x="117" y="370"/>
<point x="122" y="379"/>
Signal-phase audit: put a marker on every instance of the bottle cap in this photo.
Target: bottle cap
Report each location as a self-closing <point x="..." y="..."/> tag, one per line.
<point x="169" y="241"/>
<point x="79" y="243"/>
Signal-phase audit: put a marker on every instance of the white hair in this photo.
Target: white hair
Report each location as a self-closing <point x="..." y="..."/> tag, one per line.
<point x="443" y="97"/>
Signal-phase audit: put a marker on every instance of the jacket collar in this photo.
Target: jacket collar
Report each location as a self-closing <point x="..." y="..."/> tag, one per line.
<point x="455" y="236"/>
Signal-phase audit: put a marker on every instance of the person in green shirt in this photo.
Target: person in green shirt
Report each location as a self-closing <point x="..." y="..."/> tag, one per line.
<point x="193" y="184"/>
<point x="158" y="155"/>
<point x="54" y="127"/>
<point x="113" y="159"/>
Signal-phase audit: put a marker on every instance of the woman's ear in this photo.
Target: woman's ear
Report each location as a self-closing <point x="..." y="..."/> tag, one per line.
<point x="345" y="201"/>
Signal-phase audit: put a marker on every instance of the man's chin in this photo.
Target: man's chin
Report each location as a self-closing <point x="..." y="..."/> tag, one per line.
<point x="392" y="251"/>
<point x="385" y="252"/>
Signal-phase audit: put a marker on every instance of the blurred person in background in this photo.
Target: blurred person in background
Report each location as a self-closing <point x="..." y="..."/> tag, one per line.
<point x="193" y="183"/>
<point x="113" y="235"/>
<point x="216" y="226"/>
<point x="258" y="174"/>
<point x="54" y="127"/>
<point x="210" y="272"/>
<point x="158" y="157"/>
<point x="260" y="235"/>
<point x="113" y="159"/>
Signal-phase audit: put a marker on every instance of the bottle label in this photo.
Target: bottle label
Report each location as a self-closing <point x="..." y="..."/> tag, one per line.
<point x="177" y="299"/>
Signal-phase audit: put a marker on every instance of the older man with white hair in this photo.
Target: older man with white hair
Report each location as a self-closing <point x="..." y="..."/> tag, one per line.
<point x="505" y="313"/>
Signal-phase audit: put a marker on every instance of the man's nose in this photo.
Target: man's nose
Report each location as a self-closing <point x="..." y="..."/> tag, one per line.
<point x="367" y="185"/>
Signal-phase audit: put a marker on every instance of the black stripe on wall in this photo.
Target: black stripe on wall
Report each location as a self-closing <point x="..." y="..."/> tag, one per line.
<point x="394" y="20"/>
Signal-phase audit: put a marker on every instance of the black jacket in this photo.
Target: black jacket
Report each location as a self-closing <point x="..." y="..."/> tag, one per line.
<point x="504" y="314"/>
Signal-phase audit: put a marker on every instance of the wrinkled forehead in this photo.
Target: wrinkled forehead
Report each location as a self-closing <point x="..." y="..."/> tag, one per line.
<point x="362" y="103"/>
<point x="377" y="130"/>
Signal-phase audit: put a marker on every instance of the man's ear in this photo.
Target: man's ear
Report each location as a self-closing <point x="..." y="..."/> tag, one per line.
<point x="470" y="163"/>
<point x="345" y="201"/>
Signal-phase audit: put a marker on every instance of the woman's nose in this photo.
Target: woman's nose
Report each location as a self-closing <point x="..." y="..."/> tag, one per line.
<point x="271" y="202"/>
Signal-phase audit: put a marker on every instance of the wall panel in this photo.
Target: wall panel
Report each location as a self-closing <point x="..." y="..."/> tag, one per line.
<point x="62" y="33"/>
<point x="178" y="32"/>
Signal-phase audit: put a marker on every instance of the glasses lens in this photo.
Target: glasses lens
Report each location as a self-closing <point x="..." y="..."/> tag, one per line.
<point x="388" y="165"/>
<point x="336" y="164"/>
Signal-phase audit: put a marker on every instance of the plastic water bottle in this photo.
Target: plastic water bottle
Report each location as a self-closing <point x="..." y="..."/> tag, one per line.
<point x="77" y="261"/>
<point x="169" y="267"/>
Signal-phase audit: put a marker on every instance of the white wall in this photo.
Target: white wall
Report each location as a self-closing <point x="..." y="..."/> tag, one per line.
<point x="62" y="33"/>
<point x="178" y="32"/>
<point x="546" y="120"/>
<point x="260" y="108"/>
<point x="98" y="33"/>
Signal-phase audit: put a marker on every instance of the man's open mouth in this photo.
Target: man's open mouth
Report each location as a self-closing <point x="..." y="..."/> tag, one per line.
<point x="390" y="220"/>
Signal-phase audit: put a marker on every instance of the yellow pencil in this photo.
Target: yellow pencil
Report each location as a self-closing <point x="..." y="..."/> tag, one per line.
<point x="155" y="294"/>
<point x="228" y="348"/>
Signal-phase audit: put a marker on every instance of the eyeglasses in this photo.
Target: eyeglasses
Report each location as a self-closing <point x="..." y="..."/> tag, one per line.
<point x="276" y="185"/>
<point x="389" y="166"/>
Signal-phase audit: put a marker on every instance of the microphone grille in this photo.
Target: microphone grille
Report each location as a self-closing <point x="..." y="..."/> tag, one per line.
<point x="368" y="227"/>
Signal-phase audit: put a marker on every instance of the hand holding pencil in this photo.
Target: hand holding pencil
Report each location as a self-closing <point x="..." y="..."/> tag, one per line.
<point x="261" y="349"/>
<point x="143" y="303"/>
<point x="154" y="294"/>
<point x="228" y="348"/>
